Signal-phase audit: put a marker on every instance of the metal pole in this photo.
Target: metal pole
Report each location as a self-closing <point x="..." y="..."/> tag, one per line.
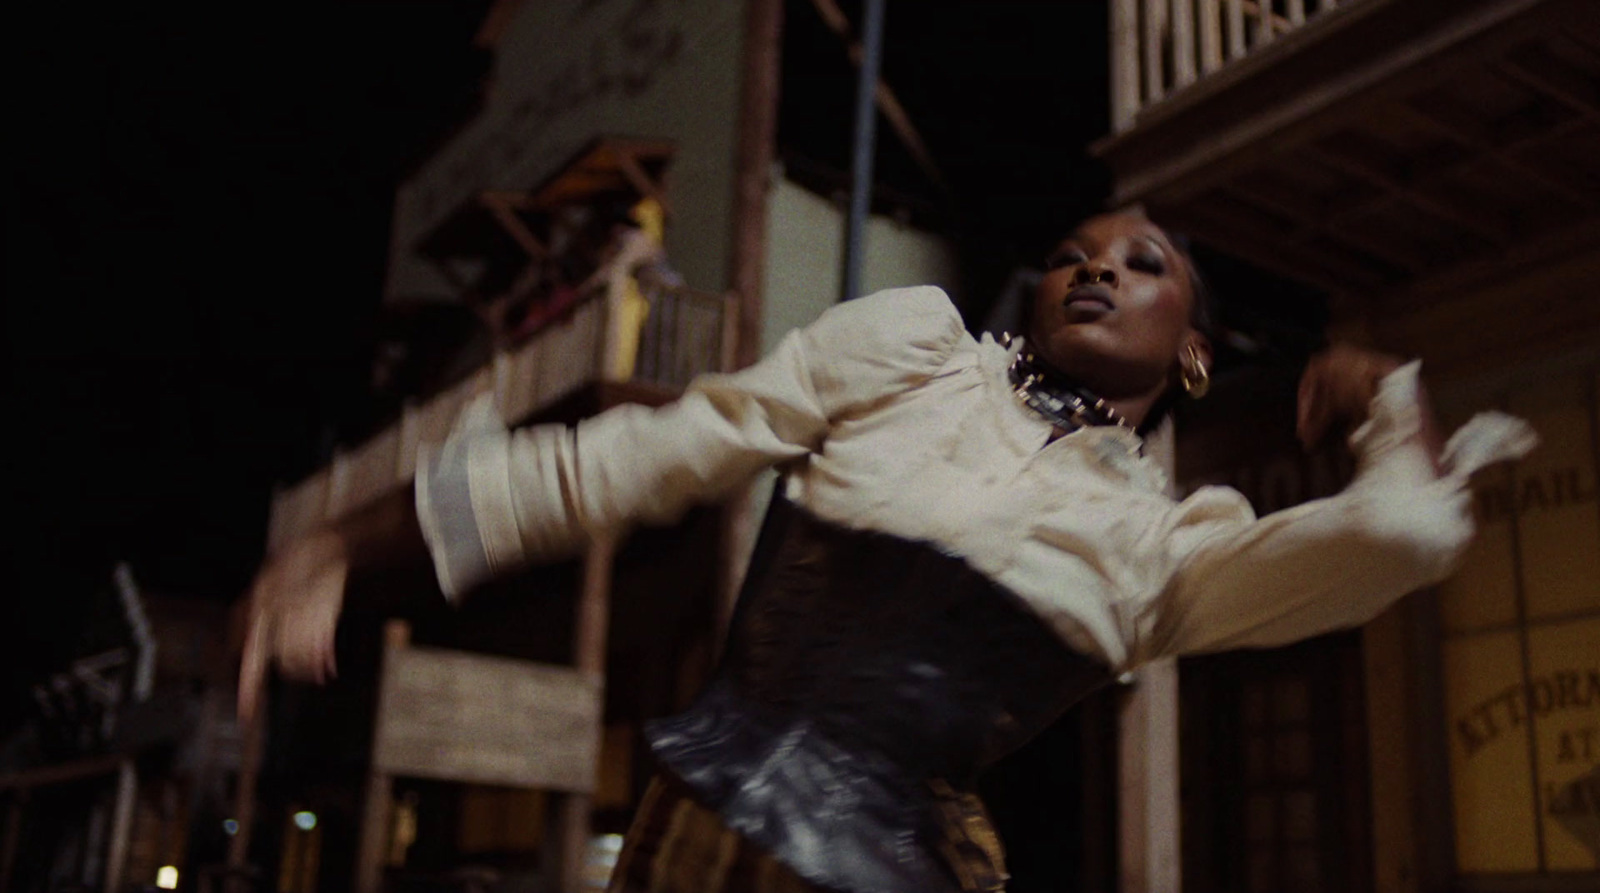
<point x="865" y="142"/>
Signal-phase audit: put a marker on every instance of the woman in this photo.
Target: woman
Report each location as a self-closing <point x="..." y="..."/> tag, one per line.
<point x="969" y="538"/>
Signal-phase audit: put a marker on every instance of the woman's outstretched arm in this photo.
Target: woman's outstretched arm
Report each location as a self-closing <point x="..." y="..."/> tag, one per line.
<point x="491" y="500"/>
<point x="1337" y="562"/>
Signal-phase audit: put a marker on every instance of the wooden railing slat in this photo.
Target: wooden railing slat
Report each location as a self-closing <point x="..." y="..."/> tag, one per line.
<point x="1155" y="32"/>
<point x="1237" y="42"/>
<point x="1124" y="63"/>
<point x="1210" y="36"/>
<point x="1182" y="14"/>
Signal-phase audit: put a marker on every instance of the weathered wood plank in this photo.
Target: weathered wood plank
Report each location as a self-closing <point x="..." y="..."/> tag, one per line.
<point x="489" y="720"/>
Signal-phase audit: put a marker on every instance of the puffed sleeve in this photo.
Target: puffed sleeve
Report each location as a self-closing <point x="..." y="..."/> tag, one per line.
<point x="1237" y="581"/>
<point x="491" y="500"/>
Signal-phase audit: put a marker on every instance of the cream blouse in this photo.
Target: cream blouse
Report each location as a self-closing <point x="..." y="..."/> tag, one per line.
<point x="888" y="416"/>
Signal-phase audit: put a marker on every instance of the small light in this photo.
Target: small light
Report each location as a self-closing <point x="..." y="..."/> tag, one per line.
<point x="230" y="827"/>
<point x="167" y="877"/>
<point x="305" y="820"/>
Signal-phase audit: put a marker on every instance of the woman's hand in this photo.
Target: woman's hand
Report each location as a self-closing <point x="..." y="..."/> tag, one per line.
<point x="1338" y="385"/>
<point x="294" y="609"/>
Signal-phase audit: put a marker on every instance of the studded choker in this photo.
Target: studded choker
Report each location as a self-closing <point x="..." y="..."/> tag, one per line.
<point x="1066" y="406"/>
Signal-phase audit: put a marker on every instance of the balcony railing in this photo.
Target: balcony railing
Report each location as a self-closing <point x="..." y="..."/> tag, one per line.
<point x="687" y="333"/>
<point x="1160" y="47"/>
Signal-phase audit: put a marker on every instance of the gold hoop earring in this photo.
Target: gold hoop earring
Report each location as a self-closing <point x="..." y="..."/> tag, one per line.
<point x="1193" y="373"/>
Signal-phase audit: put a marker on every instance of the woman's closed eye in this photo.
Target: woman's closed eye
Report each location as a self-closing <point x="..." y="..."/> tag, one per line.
<point x="1065" y="257"/>
<point x="1147" y="263"/>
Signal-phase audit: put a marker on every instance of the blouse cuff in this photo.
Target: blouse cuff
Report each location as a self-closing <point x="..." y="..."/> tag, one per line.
<point x="1394" y="417"/>
<point x="1394" y="420"/>
<point x="460" y="486"/>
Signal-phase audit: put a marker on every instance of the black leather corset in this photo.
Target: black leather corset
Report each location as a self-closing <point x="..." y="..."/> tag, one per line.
<point x="860" y="667"/>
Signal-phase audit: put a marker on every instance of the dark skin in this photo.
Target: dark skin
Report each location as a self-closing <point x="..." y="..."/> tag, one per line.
<point x="1114" y="313"/>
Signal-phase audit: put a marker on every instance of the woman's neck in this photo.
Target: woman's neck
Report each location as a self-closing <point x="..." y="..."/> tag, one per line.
<point x="1126" y="409"/>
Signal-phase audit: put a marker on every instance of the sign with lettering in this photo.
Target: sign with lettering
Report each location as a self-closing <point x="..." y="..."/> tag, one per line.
<point x="1521" y="651"/>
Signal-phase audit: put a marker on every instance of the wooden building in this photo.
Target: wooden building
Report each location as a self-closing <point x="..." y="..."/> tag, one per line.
<point x="499" y="743"/>
<point x="1434" y="167"/>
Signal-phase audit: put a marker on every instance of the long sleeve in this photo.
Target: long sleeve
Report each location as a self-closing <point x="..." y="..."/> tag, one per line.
<point x="1330" y="563"/>
<point x="492" y="500"/>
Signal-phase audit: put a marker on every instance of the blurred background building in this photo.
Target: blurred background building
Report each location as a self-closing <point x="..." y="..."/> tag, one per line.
<point x="633" y="192"/>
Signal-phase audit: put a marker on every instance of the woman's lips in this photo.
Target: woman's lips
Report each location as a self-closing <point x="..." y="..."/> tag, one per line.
<point x="1089" y="299"/>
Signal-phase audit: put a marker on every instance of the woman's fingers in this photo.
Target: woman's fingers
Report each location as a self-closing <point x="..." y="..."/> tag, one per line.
<point x="294" y="611"/>
<point x="253" y="666"/>
<point x="1313" y="410"/>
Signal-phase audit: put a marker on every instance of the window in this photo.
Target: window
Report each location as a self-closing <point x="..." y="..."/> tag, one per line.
<point x="1521" y="649"/>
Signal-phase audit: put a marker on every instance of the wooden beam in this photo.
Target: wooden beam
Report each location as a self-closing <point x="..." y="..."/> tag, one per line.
<point x="573" y="810"/>
<point x="44" y="776"/>
<point x="253" y="735"/>
<point x="1552" y="77"/>
<point x="513" y="225"/>
<point x="121" y="824"/>
<point x="377" y="812"/>
<point x="1471" y="132"/>
<point x="1262" y="245"/>
<point x="8" y="849"/>
<point x="758" y="125"/>
<point x="1312" y="224"/>
<point x="1354" y="161"/>
<point x="634" y="172"/>
<point x="1149" y="801"/>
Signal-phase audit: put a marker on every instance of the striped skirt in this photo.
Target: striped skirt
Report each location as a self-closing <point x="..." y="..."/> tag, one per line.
<point x="678" y="846"/>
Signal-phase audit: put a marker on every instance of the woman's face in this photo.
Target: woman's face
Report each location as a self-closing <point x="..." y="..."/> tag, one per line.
<point x="1114" y="307"/>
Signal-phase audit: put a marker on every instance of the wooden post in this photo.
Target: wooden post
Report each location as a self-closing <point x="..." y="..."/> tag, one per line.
<point x="566" y="844"/>
<point x="1183" y="66"/>
<point x="1388" y="681"/>
<point x="758" y="127"/>
<point x="1148" y="765"/>
<point x="1297" y="12"/>
<point x="1124" y="64"/>
<point x="1147" y="755"/>
<point x="253" y="740"/>
<point x="8" y="850"/>
<point x="121" y="824"/>
<point x="378" y="812"/>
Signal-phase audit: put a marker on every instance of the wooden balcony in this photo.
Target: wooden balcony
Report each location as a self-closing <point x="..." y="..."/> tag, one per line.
<point x="559" y="374"/>
<point x="1368" y="147"/>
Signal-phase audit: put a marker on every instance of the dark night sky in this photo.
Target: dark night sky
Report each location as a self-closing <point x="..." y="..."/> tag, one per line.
<point x="195" y="243"/>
